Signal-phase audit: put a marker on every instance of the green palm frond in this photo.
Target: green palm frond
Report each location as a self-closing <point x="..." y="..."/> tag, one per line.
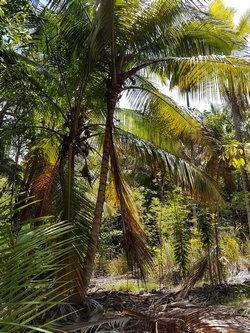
<point x="30" y="260"/>
<point x="12" y="172"/>
<point x="210" y="75"/>
<point x="164" y="114"/>
<point x="191" y="30"/>
<point x="148" y="36"/>
<point x="53" y="36"/>
<point x="226" y="14"/>
<point x="183" y="171"/>
<point x="7" y="55"/>
<point x="144" y="127"/>
<point x="138" y="32"/>
<point x="208" y="35"/>
<point x="101" y="35"/>
<point x="220" y="11"/>
<point x="48" y="178"/>
<point x="243" y="27"/>
<point x="143" y="133"/>
<point x="30" y="83"/>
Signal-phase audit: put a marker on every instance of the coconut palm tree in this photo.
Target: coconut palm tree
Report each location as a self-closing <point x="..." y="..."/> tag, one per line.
<point x="129" y="40"/>
<point x="83" y="56"/>
<point x="226" y="77"/>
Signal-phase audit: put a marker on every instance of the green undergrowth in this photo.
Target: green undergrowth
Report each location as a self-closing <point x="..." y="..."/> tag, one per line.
<point x="134" y="287"/>
<point x="236" y="295"/>
<point x="231" y="295"/>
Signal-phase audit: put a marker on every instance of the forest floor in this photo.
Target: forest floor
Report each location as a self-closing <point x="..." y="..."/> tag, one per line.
<point x="204" y="309"/>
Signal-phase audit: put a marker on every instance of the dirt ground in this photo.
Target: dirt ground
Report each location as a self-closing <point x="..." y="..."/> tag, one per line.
<point x="161" y="311"/>
<point x="158" y="311"/>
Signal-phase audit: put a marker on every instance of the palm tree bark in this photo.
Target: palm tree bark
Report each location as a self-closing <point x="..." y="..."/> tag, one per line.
<point x="97" y="219"/>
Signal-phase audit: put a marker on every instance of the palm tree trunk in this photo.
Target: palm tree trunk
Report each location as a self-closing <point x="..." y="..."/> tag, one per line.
<point x="96" y="225"/>
<point x="194" y="211"/>
<point x="244" y="175"/>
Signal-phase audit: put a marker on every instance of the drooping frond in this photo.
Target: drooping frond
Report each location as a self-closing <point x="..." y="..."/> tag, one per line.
<point x="111" y="195"/>
<point x="183" y="171"/>
<point x="197" y="272"/>
<point x="145" y="127"/>
<point x="48" y="181"/>
<point x="210" y="75"/>
<point x="134" y="237"/>
<point x="165" y="115"/>
<point x="7" y="55"/>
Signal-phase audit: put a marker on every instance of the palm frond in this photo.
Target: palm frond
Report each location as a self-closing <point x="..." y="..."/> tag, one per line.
<point x="30" y="260"/>
<point x="12" y="171"/>
<point x="225" y="14"/>
<point x="210" y="75"/>
<point x="61" y="38"/>
<point x="243" y="27"/>
<point x="164" y="114"/>
<point x="144" y="126"/>
<point x="138" y="31"/>
<point x="197" y="273"/>
<point x="26" y="79"/>
<point x="134" y="237"/>
<point x="184" y="173"/>
<point x="207" y="35"/>
<point x="48" y="181"/>
<point x="8" y="56"/>
<point x="101" y="325"/>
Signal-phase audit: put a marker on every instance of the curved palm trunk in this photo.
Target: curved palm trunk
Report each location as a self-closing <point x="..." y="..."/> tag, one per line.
<point x="96" y="225"/>
<point x="244" y="175"/>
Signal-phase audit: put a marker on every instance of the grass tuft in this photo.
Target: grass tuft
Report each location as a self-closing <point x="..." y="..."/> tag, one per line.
<point x="134" y="287"/>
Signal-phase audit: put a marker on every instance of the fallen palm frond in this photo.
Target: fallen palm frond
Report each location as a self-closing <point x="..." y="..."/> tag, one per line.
<point x="198" y="272"/>
<point x="102" y="325"/>
<point x="166" y="325"/>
